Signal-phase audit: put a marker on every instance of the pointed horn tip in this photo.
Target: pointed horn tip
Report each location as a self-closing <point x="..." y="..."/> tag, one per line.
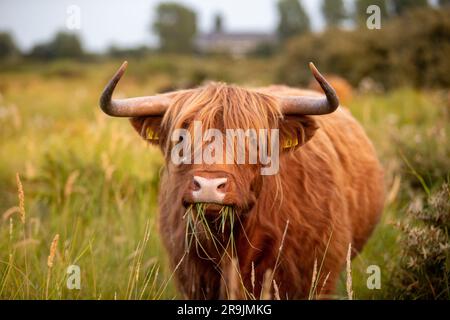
<point x="329" y="91"/>
<point x="105" y="98"/>
<point x="123" y="67"/>
<point x="314" y="70"/>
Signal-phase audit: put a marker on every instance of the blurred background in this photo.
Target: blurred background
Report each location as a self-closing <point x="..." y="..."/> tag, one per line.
<point x="68" y="170"/>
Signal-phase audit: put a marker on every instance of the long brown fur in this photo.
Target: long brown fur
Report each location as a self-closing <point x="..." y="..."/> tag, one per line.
<point x="328" y="193"/>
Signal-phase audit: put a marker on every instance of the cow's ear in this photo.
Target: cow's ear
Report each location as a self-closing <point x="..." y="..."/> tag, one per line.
<point x="295" y="131"/>
<point x="148" y="128"/>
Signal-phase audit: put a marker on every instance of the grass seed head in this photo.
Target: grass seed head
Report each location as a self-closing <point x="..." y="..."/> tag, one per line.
<point x="349" y="273"/>
<point x="21" y="196"/>
<point x="53" y="248"/>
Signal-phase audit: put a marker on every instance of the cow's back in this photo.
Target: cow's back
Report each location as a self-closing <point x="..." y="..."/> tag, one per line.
<point x="360" y="173"/>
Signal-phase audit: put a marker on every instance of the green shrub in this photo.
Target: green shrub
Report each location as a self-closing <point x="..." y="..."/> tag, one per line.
<point x="410" y="50"/>
<point x="424" y="270"/>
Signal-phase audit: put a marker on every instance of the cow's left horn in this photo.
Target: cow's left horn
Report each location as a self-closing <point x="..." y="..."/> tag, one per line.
<point x="132" y="107"/>
<point x="305" y="105"/>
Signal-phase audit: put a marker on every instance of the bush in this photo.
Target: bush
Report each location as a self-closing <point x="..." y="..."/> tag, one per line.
<point x="424" y="269"/>
<point x="403" y="52"/>
<point x="64" y="45"/>
<point x="8" y="48"/>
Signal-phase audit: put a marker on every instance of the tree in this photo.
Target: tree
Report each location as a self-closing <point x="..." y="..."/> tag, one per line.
<point x="67" y="45"/>
<point x="218" y="23"/>
<point x="8" y="48"/>
<point x="334" y="12"/>
<point x="63" y="45"/>
<point x="293" y="19"/>
<point x="361" y="9"/>
<point x="444" y="2"/>
<point x="401" y="6"/>
<point x="176" y="26"/>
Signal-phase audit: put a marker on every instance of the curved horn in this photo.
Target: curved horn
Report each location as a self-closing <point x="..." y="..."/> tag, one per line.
<point x="304" y="105"/>
<point x="132" y="107"/>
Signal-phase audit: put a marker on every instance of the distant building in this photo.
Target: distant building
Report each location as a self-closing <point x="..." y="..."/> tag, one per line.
<point x="236" y="44"/>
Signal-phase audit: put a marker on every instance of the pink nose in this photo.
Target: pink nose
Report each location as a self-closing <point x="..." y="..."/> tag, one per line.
<point x="209" y="190"/>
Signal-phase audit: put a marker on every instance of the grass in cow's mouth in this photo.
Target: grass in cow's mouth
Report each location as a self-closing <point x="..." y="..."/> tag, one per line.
<point x="218" y="235"/>
<point x="219" y="231"/>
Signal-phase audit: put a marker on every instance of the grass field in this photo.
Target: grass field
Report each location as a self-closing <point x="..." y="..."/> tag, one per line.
<point x="92" y="181"/>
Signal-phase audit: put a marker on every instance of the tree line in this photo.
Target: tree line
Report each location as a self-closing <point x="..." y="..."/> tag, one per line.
<point x="294" y="19"/>
<point x="176" y="26"/>
<point x="409" y="50"/>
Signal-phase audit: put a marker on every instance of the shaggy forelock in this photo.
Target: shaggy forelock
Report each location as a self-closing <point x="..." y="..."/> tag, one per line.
<point x="221" y="106"/>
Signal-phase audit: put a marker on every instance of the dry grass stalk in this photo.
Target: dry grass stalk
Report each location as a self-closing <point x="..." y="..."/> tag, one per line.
<point x="50" y="260"/>
<point x="395" y="188"/>
<point x="317" y="271"/>
<point x="137" y="263"/>
<point x="10" y="229"/>
<point x="276" y="291"/>
<point x="138" y="270"/>
<point x="314" y="275"/>
<point x="324" y="283"/>
<point x="267" y="285"/>
<point x="349" y="273"/>
<point x="233" y="280"/>
<point x="8" y="213"/>
<point x="253" y="277"/>
<point x="280" y="249"/>
<point x="53" y="247"/>
<point x="313" y="279"/>
<point x="21" y="196"/>
<point x="68" y="188"/>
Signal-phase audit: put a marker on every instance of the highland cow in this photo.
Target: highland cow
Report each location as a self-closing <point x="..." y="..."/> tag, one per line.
<point x="232" y="232"/>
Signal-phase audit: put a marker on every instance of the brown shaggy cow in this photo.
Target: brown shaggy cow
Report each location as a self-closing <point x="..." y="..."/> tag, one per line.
<point x="328" y="192"/>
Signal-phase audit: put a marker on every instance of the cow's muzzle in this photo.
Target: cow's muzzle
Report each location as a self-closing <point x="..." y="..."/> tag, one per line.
<point x="208" y="188"/>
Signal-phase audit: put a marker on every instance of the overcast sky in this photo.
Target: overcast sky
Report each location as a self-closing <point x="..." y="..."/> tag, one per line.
<point x="127" y="23"/>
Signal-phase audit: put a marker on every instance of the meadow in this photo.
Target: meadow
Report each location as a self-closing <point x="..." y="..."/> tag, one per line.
<point x="67" y="169"/>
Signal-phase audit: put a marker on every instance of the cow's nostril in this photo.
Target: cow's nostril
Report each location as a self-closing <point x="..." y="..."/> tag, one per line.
<point x="196" y="185"/>
<point x="221" y="186"/>
<point x="208" y="190"/>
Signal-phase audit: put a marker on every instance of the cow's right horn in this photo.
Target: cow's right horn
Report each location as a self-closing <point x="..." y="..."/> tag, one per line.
<point x="304" y="105"/>
<point x="132" y="107"/>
